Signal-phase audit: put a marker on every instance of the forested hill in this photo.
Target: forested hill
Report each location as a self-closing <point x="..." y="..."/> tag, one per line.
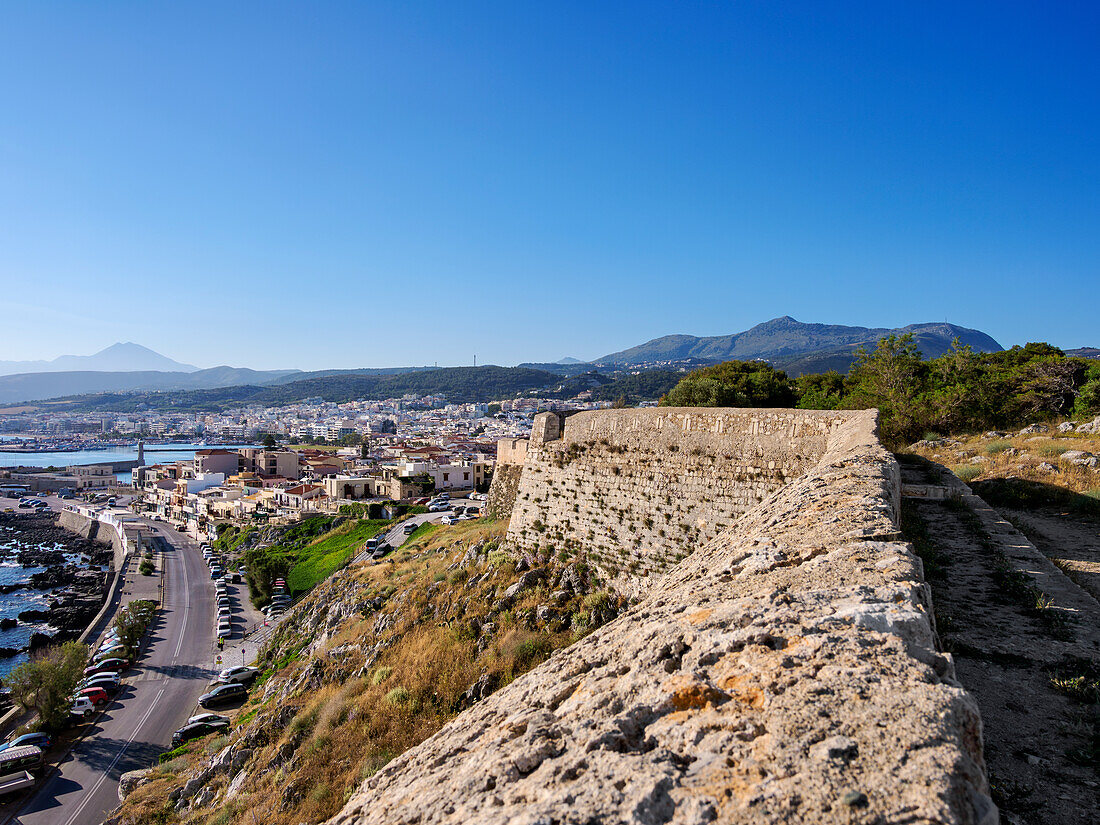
<point x="458" y="384"/>
<point x="786" y="343"/>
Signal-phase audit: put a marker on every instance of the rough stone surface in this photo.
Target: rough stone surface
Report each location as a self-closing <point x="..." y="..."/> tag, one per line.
<point x="784" y="672"/>
<point x="639" y="489"/>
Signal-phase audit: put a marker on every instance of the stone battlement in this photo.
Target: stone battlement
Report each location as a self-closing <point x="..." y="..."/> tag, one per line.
<point x="784" y="671"/>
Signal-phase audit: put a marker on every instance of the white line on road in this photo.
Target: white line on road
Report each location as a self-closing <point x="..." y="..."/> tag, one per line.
<point x="186" y="601"/>
<point x="118" y="756"/>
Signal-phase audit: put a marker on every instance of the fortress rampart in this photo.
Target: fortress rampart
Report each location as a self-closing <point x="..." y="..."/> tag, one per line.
<point x="638" y="490"/>
<point x="785" y="671"/>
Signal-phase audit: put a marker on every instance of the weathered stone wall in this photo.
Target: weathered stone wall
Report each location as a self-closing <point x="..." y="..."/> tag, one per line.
<point x="637" y="490"/>
<point x="785" y="672"/>
<point x="502" y="492"/>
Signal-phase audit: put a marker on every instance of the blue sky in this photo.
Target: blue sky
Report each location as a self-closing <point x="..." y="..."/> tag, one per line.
<point x="365" y="184"/>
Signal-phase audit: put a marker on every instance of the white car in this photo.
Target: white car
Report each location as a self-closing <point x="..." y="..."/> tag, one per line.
<point x="83" y="707"/>
<point x="241" y="673"/>
<point x="449" y="520"/>
<point x="214" y="718"/>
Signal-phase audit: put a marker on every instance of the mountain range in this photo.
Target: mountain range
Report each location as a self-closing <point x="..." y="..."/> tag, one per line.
<point x="127" y="357"/>
<point x="785" y="343"/>
<point x="794" y="346"/>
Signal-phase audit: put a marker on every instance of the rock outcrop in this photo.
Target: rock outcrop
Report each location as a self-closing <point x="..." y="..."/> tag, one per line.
<point x="785" y="672"/>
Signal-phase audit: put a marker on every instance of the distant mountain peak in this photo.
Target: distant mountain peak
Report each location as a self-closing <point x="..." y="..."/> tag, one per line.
<point x="569" y="360"/>
<point x="786" y="341"/>
<point x="118" y="357"/>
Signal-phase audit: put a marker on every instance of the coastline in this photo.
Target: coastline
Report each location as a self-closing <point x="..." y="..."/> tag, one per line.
<point x="55" y="584"/>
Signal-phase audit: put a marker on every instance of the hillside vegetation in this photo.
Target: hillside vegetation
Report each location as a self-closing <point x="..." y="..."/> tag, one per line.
<point x="304" y="553"/>
<point x="377" y="659"/>
<point x="958" y="392"/>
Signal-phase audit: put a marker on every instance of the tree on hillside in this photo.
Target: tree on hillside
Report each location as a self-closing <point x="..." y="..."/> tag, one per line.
<point x="45" y="684"/>
<point x="1088" y="397"/>
<point x="820" y="391"/>
<point x="891" y="377"/>
<point x="732" y="384"/>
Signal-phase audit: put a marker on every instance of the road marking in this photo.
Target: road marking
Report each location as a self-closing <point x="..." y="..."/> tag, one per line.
<point x="114" y="761"/>
<point x="186" y="604"/>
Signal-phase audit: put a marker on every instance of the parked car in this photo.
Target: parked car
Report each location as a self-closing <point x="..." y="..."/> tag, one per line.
<point x="207" y="717"/>
<point x="106" y="666"/>
<point x="96" y="695"/>
<point x="197" y="729"/>
<point x="236" y="576"/>
<point x="224" y="695"/>
<point x="438" y="508"/>
<point x="114" y="652"/>
<point x="110" y="682"/>
<point x="39" y="740"/>
<point x="241" y="673"/>
<point x="448" y="520"/>
<point x="82" y="707"/>
<point x="410" y="528"/>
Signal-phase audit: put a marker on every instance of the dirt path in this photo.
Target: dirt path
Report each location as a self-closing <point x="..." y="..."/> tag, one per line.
<point x="1070" y="540"/>
<point x="1042" y="744"/>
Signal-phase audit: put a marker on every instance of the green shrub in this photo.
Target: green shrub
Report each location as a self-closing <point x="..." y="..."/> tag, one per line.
<point x="967" y="472"/>
<point x="399" y="696"/>
<point x="380" y="675"/>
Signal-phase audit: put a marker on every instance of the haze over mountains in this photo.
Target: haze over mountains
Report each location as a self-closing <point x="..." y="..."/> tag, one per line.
<point x="121" y="357"/>
<point x="784" y="342"/>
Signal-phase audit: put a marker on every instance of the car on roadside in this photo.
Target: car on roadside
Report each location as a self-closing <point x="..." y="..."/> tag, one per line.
<point x="439" y="508"/>
<point x="207" y="717"/>
<point x="448" y="520"/>
<point x="96" y="695"/>
<point x="224" y="695"/>
<point x="240" y="673"/>
<point x="38" y="740"/>
<point x="409" y="528"/>
<point x="110" y="682"/>
<point x="113" y="652"/>
<point x="82" y="708"/>
<point x="196" y="730"/>
<point x="106" y="666"/>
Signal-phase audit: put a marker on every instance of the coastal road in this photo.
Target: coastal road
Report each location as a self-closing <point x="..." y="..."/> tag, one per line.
<point x="160" y="694"/>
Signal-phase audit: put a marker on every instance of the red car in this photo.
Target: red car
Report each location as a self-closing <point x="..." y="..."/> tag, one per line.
<point x="106" y="666"/>
<point x="96" y="695"/>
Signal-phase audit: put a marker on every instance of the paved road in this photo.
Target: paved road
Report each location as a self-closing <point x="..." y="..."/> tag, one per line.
<point x="161" y="693"/>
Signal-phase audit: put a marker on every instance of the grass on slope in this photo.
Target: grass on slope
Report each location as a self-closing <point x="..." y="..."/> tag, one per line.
<point x="317" y="561"/>
<point x="385" y="679"/>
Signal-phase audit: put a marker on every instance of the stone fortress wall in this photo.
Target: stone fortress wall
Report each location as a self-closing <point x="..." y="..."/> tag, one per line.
<point x="784" y="672"/>
<point x="638" y="490"/>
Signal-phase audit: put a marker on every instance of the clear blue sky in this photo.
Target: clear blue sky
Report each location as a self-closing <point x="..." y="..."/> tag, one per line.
<point x="363" y="184"/>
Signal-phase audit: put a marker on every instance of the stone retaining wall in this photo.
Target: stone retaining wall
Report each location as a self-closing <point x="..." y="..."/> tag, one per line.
<point x="785" y="672"/>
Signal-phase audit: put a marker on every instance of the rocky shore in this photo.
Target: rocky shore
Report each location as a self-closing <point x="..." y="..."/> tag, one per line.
<point x="72" y="568"/>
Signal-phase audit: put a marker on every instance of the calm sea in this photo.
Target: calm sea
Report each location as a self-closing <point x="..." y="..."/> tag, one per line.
<point x="154" y="454"/>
